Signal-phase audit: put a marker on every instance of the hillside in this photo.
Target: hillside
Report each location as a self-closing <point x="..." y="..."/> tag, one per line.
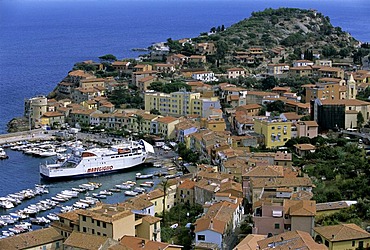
<point x="289" y="27"/>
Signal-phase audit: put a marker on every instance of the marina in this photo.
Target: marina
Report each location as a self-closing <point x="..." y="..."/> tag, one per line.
<point x="33" y="202"/>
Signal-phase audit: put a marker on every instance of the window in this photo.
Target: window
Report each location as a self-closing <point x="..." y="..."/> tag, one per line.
<point x="84" y="229"/>
<point x="277" y="226"/>
<point x="353" y="243"/>
<point x="83" y="218"/>
<point x="104" y="225"/>
<point x="98" y="233"/>
<point x="104" y="234"/>
<point x="92" y="231"/>
<point x="201" y="237"/>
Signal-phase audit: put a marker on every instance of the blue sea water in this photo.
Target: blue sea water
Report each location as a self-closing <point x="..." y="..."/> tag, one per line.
<point x="40" y="40"/>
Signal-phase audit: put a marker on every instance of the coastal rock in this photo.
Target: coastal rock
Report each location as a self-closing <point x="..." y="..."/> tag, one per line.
<point x="18" y="124"/>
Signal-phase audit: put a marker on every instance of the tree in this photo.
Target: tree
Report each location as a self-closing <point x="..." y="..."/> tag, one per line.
<point x="164" y="184"/>
<point x="277" y="106"/>
<point x="108" y="57"/>
<point x="360" y="119"/>
<point x="268" y="83"/>
<point x="155" y="112"/>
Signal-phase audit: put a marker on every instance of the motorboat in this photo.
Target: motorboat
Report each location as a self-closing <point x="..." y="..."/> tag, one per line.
<point x="131" y="193"/>
<point x="144" y="176"/>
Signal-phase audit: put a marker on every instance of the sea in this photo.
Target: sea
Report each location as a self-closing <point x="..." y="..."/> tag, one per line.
<point x="41" y="40"/>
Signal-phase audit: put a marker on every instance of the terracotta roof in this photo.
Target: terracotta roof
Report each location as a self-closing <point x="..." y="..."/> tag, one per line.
<point x="52" y="114"/>
<point x="119" y="63"/>
<point x="72" y="215"/>
<point x="292" y="116"/>
<point x="136" y="203"/>
<point x="106" y="212"/>
<point x="310" y="123"/>
<point x="332" y="205"/>
<point x="330" y="80"/>
<point x="331" y="69"/>
<point x="230" y="185"/>
<point x="85" y="241"/>
<point x="291" y="240"/>
<point x="151" y="219"/>
<point x="152" y="195"/>
<point x="187" y="184"/>
<point x="282" y="156"/>
<point x="145" y="79"/>
<point x="305" y="146"/>
<point x="299" y="207"/>
<point x="343" y="232"/>
<point x="281" y="182"/>
<point x="347" y="102"/>
<point x="235" y="69"/>
<point x="250" y="242"/>
<point x="136" y="243"/>
<point x="249" y="106"/>
<point x="213" y="224"/>
<point x="262" y="93"/>
<point x="167" y="119"/>
<point x="269" y="171"/>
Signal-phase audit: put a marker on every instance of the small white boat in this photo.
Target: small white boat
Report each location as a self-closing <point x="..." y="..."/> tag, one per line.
<point x="52" y="217"/>
<point x="139" y="190"/>
<point x="121" y="186"/>
<point x="147" y="184"/>
<point x="131" y="193"/>
<point x="144" y="176"/>
<point x="79" y="204"/>
<point x="3" y="154"/>
<point x="105" y="192"/>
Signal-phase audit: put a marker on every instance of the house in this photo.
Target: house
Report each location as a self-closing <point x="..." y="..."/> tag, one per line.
<point x="208" y="48"/>
<point x="46" y="238"/>
<point x="234" y="73"/>
<point x="164" y="126"/>
<point x="249" y="242"/>
<point x="276" y="132"/>
<point x="92" y="83"/>
<point x="78" y="240"/>
<point x="300" y="71"/>
<point x="197" y="59"/>
<point x="185" y="192"/>
<point x="304" y="149"/>
<point x="307" y="129"/>
<point x="107" y="220"/>
<point x="204" y="76"/>
<point x="328" y="208"/>
<point x="137" y="243"/>
<point x="144" y="83"/>
<point x="278" y="70"/>
<point x="120" y="66"/>
<point x="164" y="67"/>
<point x="302" y="63"/>
<point x="176" y="59"/>
<point x="185" y="128"/>
<point x="156" y="197"/>
<point x="136" y="76"/>
<point x="65" y="87"/>
<point x="54" y="119"/>
<point x="289" y="240"/>
<point x="343" y="236"/>
<point x="288" y="215"/>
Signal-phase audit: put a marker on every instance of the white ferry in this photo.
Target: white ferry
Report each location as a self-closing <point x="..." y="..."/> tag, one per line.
<point x="99" y="161"/>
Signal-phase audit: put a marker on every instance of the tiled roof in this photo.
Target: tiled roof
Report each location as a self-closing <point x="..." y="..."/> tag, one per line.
<point x="281" y="182"/>
<point x="136" y="243"/>
<point x="167" y="119"/>
<point x="145" y="79"/>
<point x="106" y="212"/>
<point x="299" y="207"/>
<point x="136" y="203"/>
<point x="187" y="184"/>
<point x="152" y="195"/>
<point x="347" y="102"/>
<point x="333" y="205"/>
<point x="250" y="242"/>
<point x="292" y="116"/>
<point x="269" y="171"/>
<point x="213" y="224"/>
<point x="52" y="114"/>
<point x="85" y="241"/>
<point x="31" y="240"/>
<point x="151" y="219"/>
<point x="290" y="240"/>
<point x="282" y="156"/>
<point x="343" y="232"/>
<point x="305" y="146"/>
<point x="72" y="215"/>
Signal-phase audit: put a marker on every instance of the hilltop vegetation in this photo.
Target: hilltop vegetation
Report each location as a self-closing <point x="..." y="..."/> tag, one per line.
<point x="289" y="27"/>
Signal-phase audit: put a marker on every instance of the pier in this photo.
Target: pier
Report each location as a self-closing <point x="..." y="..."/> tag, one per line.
<point x="35" y="134"/>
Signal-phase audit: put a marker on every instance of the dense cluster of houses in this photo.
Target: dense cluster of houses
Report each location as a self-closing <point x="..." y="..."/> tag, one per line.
<point x="278" y="194"/>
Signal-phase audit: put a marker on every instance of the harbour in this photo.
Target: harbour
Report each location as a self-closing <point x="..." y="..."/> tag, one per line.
<point x="61" y="196"/>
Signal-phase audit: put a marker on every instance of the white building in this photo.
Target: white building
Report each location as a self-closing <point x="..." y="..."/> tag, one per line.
<point x="204" y="76"/>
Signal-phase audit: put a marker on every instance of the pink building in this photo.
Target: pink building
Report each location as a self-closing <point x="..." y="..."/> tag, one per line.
<point x="307" y="129"/>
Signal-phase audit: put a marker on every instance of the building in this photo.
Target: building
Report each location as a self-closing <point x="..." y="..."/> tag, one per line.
<point x="307" y="129"/>
<point x="137" y="243"/>
<point x="234" y="73"/>
<point x="107" y="220"/>
<point x="276" y="132"/>
<point x="204" y="76"/>
<point x="344" y="236"/>
<point x="35" y="108"/>
<point x="289" y="240"/>
<point x="46" y="238"/>
<point x="278" y="70"/>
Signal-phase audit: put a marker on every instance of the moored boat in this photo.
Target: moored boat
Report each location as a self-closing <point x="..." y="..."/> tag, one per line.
<point x="99" y="160"/>
<point x="3" y="154"/>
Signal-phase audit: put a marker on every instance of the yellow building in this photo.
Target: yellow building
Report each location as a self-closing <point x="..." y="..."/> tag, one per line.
<point x="107" y="220"/>
<point x="165" y="126"/>
<point x="181" y="103"/>
<point x="276" y="132"/>
<point x="214" y="124"/>
<point x="156" y="197"/>
<point x="342" y="237"/>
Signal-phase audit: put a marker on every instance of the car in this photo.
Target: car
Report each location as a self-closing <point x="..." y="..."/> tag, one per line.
<point x="174" y="226"/>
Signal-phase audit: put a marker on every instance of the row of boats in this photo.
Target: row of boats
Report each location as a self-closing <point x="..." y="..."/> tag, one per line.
<point x="12" y="200"/>
<point x="42" y="149"/>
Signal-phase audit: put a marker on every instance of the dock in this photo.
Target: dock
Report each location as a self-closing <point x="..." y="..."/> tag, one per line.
<point x="35" y="134"/>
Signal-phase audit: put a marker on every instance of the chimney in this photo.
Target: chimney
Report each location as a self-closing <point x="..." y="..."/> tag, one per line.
<point x="211" y="225"/>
